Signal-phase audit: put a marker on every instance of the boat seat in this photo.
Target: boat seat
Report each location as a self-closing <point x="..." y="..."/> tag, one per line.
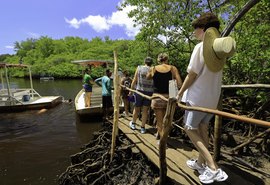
<point x="21" y="95"/>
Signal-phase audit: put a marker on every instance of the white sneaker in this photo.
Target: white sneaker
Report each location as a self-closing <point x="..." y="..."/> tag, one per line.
<point x="193" y="164"/>
<point x="123" y="114"/>
<point x="221" y="176"/>
<point x="132" y="125"/>
<point x="143" y="130"/>
<point x="209" y="176"/>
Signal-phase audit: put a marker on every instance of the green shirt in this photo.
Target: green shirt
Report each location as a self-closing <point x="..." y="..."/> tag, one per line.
<point x="87" y="79"/>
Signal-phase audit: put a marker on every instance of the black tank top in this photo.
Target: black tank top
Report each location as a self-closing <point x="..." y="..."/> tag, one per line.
<point x="161" y="82"/>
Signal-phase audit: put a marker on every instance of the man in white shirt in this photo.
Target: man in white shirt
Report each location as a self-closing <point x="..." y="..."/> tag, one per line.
<point x="202" y="88"/>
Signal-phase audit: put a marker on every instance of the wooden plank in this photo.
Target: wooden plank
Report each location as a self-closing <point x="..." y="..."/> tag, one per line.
<point x="147" y="143"/>
<point x="177" y="154"/>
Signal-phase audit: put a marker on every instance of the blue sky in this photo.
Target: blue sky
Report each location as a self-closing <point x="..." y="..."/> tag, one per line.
<point x="22" y="19"/>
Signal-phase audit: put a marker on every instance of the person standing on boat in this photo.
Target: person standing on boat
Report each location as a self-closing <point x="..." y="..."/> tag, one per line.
<point x="145" y="86"/>
<point x="106" y="83"/>
<point x="87" y="85"/>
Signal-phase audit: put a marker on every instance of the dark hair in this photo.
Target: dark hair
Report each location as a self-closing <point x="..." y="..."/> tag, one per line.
<point x="86" y="70"/>
<point x="126" y="73"/>
<point x="148" y="61"/>
<point x="108" y="71"/>
<point x="205" y="21"/>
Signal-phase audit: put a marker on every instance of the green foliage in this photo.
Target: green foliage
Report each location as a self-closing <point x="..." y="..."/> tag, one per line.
<point x="251" y="63"/>
<point x="169" y="23"/>
<point x="4" y="57"/>
<point x="53" y="57"/>
<point x="25" y="46"/>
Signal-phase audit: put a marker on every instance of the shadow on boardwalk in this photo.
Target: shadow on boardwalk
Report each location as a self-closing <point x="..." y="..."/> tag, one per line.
<point x="133" y="166"/>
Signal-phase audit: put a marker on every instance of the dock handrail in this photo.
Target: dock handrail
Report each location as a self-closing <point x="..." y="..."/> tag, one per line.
<point x="207" y="110"/>
<point x="167" y="121"/>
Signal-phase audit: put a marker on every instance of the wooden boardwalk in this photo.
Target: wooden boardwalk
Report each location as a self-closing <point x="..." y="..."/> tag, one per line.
<point x="178" y="153"/>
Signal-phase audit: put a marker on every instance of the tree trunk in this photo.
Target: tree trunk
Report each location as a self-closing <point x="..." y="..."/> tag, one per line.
<point x="238" y="16"/>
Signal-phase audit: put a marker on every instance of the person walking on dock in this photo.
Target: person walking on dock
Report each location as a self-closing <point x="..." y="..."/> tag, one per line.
<point x="202" y="87"/>
<point x="145" y="86"/>
<point x="106" y="83"/>
<point x="126" y="82"/>
<point x="161" y="75"/>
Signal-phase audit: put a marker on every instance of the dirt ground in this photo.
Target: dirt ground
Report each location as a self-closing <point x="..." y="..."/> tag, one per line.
<point x="93" y="166"/>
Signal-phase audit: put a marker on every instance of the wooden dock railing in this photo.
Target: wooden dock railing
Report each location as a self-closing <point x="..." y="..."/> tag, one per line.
<point x="217" y="128"/>
<point x="167" y="122"/>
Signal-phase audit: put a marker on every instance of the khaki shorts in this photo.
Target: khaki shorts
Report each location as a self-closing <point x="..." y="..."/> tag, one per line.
<point x="158" y="103"/>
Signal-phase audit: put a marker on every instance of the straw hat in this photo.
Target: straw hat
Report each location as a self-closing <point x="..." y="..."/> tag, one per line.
<point x="216" y="50"/>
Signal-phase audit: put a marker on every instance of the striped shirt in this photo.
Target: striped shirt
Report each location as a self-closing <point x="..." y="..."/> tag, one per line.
<point x="144" y="84"/>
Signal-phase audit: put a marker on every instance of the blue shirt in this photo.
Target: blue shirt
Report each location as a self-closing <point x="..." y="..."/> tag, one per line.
<point x="106" y="84"/>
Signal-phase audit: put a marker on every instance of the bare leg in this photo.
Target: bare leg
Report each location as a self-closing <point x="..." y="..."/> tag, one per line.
<point x="90" y="94"/>
<point x="126" y="105"/>
<point x="203" y="129"/>
<point x="198" y="142"/>
<point x="144" y="115"/>
<point x="87" y="99"/>
<point x="160" y="113"/>
<point x="135" y="114"/>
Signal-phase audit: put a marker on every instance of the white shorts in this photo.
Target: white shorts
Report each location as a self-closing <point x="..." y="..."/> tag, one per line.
<point x="192" y="119"/>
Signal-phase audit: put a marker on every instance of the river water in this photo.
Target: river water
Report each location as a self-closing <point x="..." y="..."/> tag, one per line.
<point x="35" y="146"/>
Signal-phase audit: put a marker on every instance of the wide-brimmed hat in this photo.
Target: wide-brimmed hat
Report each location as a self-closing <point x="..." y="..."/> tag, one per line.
<point x="216" y="50"/>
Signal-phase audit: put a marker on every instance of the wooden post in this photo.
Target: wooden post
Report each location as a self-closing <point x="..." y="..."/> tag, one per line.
<point x="116" y="98"/>
<point x="31" y="82"/>
<point x="2" y="80"/>
<point x="217" y="130"/>
<point x="167" y="125"/>
<point x="10" y="101"/>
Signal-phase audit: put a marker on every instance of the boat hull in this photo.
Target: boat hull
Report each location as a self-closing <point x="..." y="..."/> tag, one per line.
<point x="92" y="112"/>
<point x="45" y="102"/>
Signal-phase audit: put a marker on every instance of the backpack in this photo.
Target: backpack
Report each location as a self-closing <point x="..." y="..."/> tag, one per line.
<point x="127" y="82"/>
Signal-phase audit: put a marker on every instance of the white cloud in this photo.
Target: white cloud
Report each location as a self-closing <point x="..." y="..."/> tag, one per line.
<point x="33" y="35"/>
<point x="98" y="23"/>
<point x="9" y="47"/>
<point x="102" y="23"/>
<point x="73" y="23"/>
<point x="121" y="18"/>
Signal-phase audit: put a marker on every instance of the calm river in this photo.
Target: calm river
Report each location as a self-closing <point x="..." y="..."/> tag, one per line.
<point x="35" y="147"/>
